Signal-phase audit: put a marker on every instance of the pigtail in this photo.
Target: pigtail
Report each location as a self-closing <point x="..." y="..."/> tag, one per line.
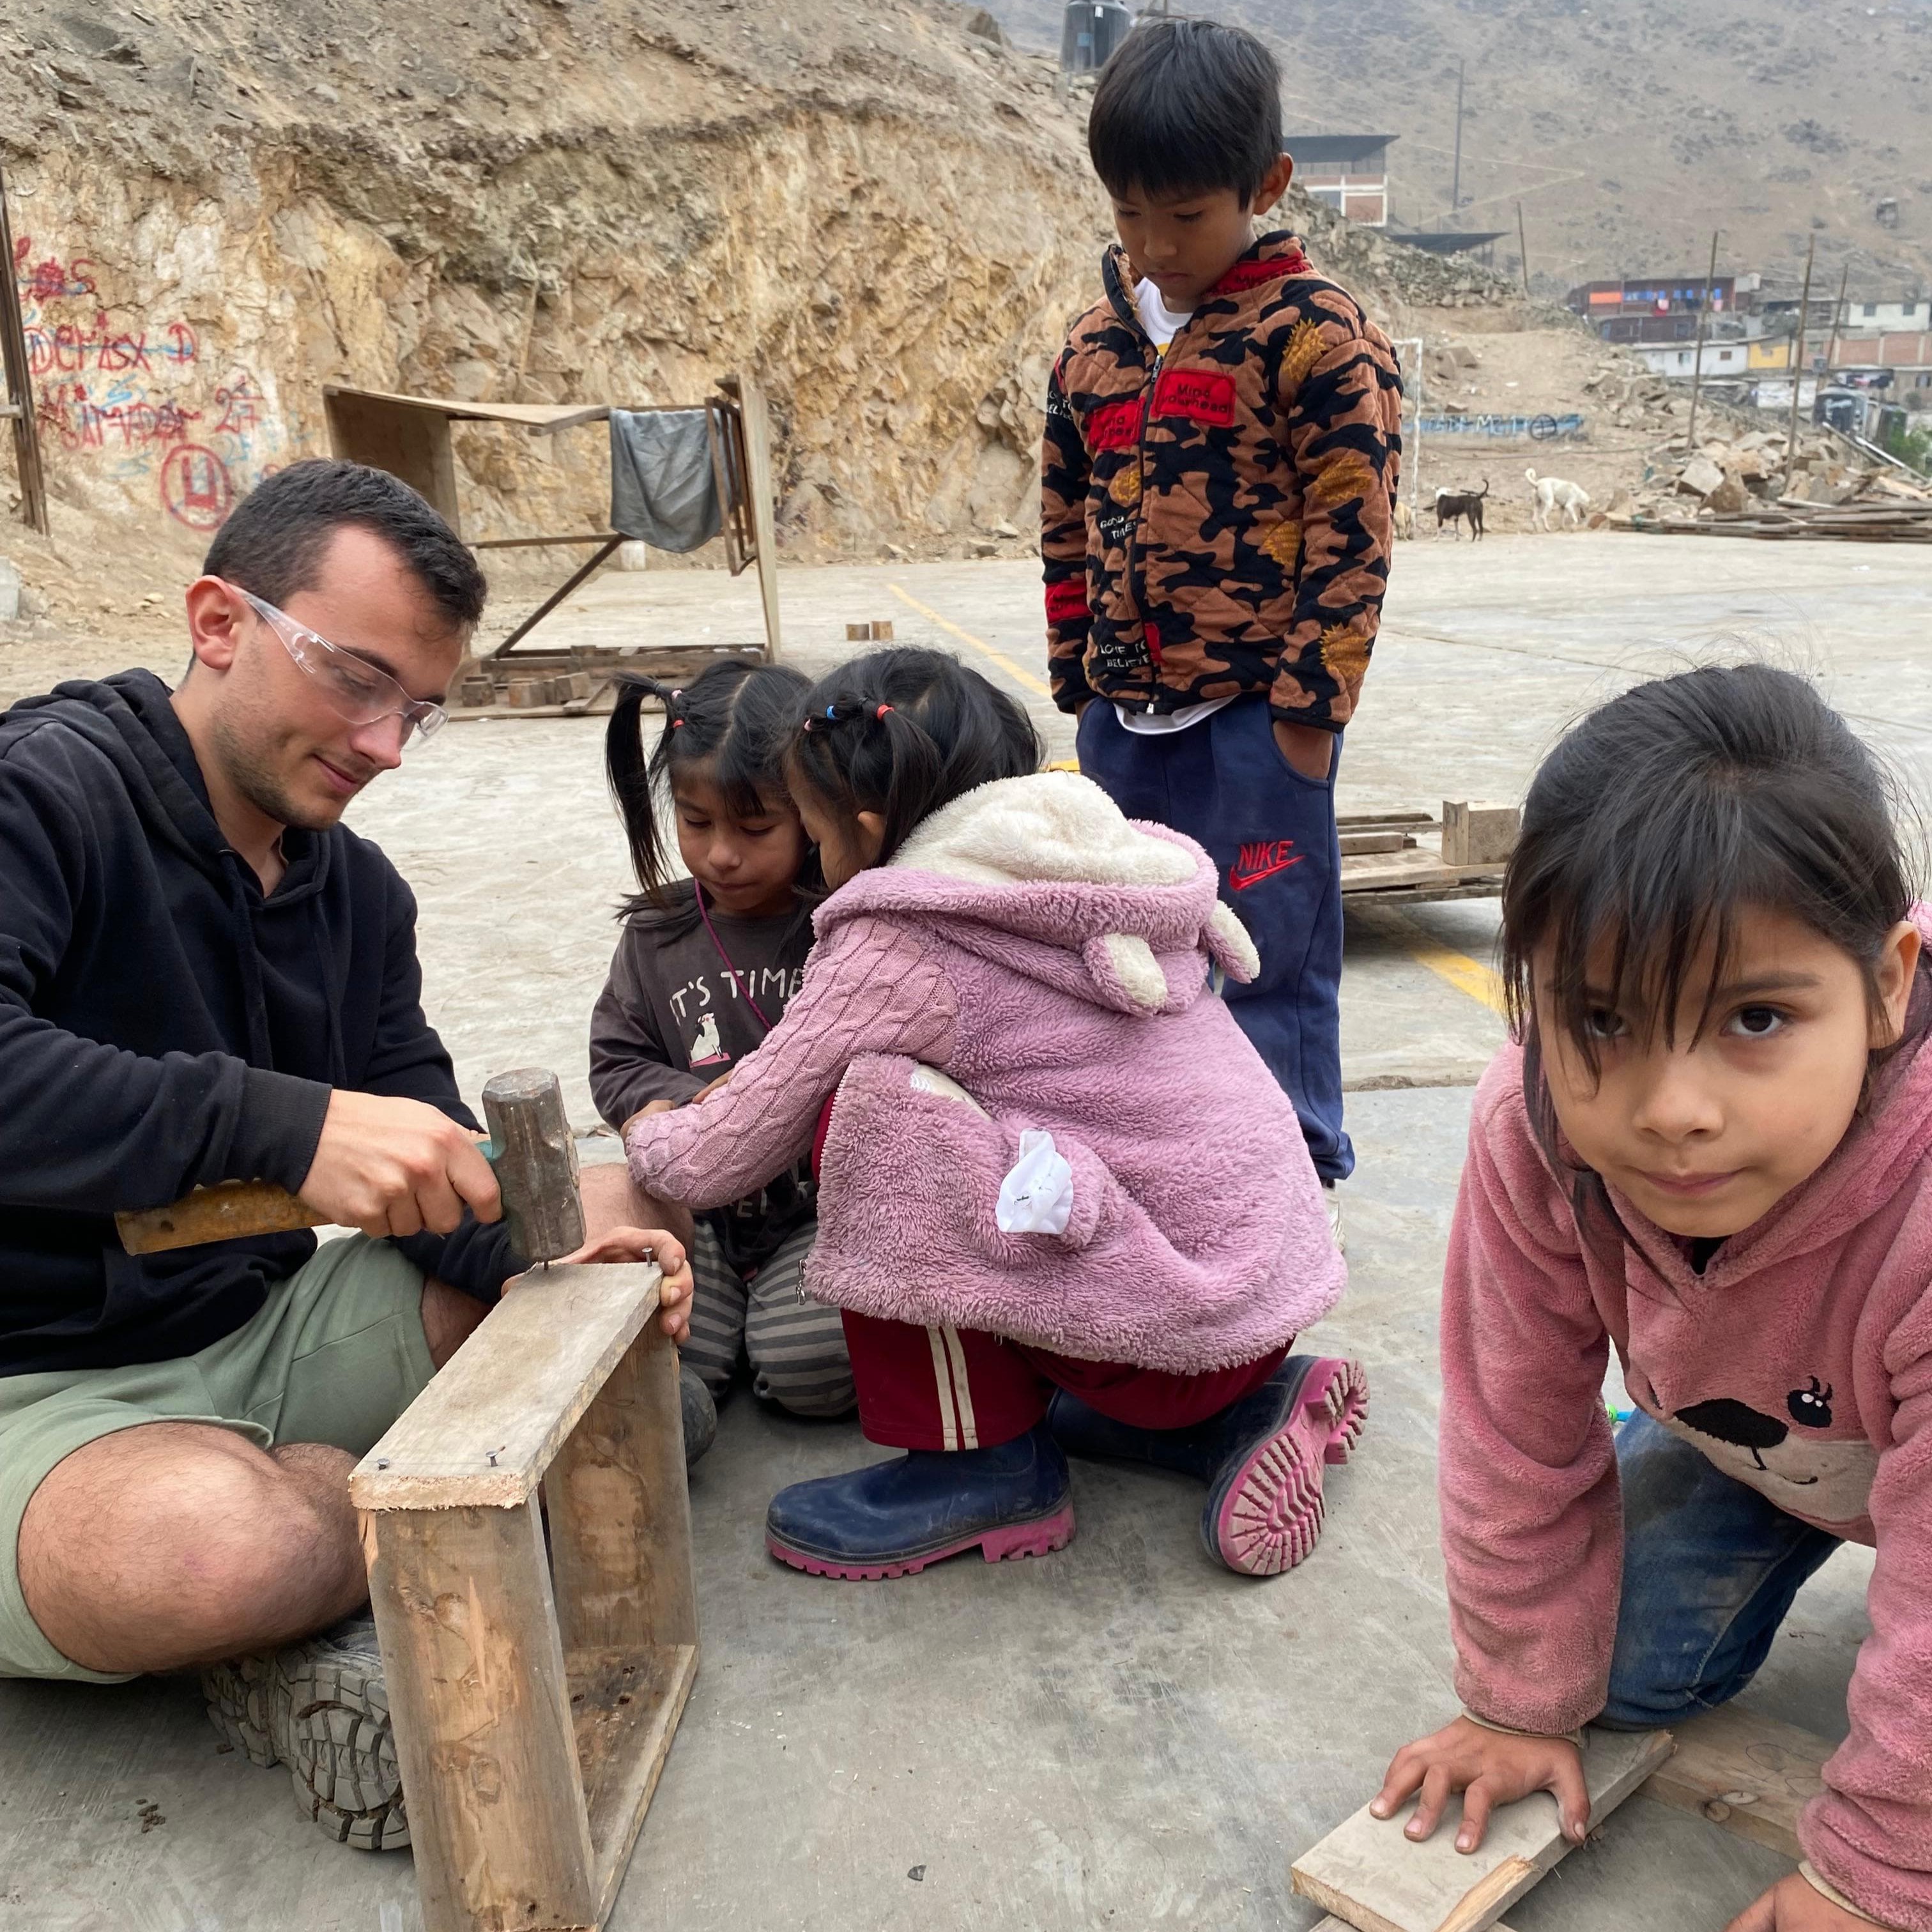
<point x="636" y="782"/>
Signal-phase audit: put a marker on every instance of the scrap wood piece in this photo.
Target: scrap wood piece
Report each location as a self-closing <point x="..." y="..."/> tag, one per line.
<point x="1751" y="1774"/>
<point x="1373" y="1878"/>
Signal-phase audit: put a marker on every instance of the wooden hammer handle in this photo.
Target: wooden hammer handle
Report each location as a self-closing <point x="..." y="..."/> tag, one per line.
<point x="225" y="1212"/>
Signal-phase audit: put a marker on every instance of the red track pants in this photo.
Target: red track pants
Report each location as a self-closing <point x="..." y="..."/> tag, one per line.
<point x="961" y="1388"/>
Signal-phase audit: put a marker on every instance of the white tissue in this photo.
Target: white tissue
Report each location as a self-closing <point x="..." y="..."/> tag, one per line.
<point x="1037" y="1197"/>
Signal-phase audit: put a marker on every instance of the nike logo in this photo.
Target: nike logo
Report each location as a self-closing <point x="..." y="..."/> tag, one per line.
<point x="1257" y="862"/>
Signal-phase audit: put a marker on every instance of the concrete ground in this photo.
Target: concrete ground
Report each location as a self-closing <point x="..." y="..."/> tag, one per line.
<point x="1121" y="1734"/>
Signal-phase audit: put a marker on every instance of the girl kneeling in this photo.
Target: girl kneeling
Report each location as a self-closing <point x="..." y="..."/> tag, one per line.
<point x="1712" y="1149"/>
<point x="1062" y="1203"/>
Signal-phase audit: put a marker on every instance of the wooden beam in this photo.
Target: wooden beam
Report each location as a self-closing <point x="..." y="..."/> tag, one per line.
<point x="758" y="480"/>
<point x="1753" y="1775"/>
<point x="484" y="1431"/>
<point x="404" y="435"/>
<point x="19" y="384"/>
<point x="1373" y="1878"/>
<point x="481" y="1714"/>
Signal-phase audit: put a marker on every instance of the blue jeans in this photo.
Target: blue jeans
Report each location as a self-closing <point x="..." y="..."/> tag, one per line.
<point x="1271" y="834"/>
<point x="1710" y="1569"/>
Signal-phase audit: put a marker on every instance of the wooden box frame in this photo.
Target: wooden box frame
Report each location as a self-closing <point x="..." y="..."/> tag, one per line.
<point x="535" y="1693"/>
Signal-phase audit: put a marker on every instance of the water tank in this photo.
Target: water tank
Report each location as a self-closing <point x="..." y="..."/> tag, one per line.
<point x="1092" y="30"/>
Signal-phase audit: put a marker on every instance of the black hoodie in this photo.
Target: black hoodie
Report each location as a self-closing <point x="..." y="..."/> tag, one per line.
<point x="163" y="1025"/>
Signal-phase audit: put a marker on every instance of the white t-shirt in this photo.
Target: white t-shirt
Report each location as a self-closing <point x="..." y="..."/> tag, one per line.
<point x="1163" y="325"/>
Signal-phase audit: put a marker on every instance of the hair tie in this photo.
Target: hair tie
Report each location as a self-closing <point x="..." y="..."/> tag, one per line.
<point x="677" y="723"/>
<point x="882" y="710"/>
<point x="832" y="712"/>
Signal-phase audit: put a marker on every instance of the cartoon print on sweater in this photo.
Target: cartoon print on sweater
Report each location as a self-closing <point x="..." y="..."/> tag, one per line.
<point x="1826" y="1481"/>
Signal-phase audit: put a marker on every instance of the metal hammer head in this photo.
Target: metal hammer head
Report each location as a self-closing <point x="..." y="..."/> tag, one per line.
<point x="535" y="1160"/>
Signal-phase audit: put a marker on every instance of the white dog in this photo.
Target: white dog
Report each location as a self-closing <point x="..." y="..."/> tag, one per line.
<point x="1553" y="494"/>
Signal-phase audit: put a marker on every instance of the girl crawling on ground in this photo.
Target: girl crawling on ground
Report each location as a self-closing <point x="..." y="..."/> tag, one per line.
<point x="1062" y="1203"/>
<point x="1710" y="1147"/>
<point x="704" y="967"/>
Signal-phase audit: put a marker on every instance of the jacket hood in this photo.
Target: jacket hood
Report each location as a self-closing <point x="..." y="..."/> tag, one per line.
<point x="1045" y="875"/>
<point x="1271" y="258"/>
<point x="130" y="718"/>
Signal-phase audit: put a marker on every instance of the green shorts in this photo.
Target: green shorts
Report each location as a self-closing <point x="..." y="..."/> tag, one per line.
<point x="335" y="1355"/>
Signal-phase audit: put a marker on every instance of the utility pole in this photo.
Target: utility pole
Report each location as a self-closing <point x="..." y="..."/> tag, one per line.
<point x="1798" y="361"/>
<point x="1455" y="176"/>
<point x="1523" y="249"/>
<point x="1697" y="355"/>
<point x="1838" y="318"/>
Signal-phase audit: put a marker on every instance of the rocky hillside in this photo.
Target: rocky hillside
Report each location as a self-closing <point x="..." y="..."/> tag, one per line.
<point x="1627" y="128"/>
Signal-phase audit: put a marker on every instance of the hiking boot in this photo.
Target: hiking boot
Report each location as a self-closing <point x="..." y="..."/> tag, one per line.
<point x="894" y="1518"/>
<point x="319" y="1707"/>
<point x="700" y="1413"/>
<point x="1262" y="1458"/>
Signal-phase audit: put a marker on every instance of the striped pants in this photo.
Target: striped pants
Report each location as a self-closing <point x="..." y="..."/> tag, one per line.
<point x="797" y="1347"/>
<point x="961" y="1388"/>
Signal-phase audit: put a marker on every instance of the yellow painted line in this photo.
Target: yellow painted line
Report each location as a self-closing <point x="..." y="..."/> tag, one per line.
<point x="1484" y="984"/>
<point x="999" y="658"/>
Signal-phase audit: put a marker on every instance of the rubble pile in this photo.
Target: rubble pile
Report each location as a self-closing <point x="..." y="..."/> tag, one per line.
<point x="1728" y="475"/>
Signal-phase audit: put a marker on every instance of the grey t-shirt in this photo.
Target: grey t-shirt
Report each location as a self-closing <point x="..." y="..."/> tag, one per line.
<point x="672" y="1018"/>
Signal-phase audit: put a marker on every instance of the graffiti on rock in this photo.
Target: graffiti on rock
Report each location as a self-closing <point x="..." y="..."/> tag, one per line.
<point x="136" y="396"/>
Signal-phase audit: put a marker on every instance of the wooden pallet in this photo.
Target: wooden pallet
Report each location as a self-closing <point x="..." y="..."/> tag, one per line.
<point x="1384" y="859"/>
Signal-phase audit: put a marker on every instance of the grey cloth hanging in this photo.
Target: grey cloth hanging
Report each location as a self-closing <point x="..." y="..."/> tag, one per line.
<point x="663" y="488"/>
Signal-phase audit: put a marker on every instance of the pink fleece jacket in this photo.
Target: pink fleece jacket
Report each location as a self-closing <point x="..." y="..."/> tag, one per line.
<point x="1051" y="959"/>
<point x="1817" y="1318"/>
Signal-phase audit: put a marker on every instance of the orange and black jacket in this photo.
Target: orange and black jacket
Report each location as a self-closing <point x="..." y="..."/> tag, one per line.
<point x="1216" y="521"/>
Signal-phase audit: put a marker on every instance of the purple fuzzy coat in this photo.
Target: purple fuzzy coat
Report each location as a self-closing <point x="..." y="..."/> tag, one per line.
<point x="1051" y="958"/>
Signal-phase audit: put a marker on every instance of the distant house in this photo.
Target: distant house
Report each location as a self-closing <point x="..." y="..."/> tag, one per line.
<point x="1912" y="313"/>
<point x="1662" y="308"/>
<point x="1349" y="171"/>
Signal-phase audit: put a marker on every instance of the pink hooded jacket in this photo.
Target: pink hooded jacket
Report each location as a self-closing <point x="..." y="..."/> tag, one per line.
<point x="1818" y="1317"/>
<point x="1051" y="958"/>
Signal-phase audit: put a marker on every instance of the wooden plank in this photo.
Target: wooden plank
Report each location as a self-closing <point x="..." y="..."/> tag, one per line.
<point x="1475" y="833"/>
<point x="484" y="1431"/>
<point x="540" y="418"/>
<point x="1363" y="821"/>
<point x="1396" y="838"/>
<point x="1753" y="1775"/>
<point x="404" y="435"/>
<point x="620" y="1511"/>
<point x="627" y="1706"/>
<point x="17" y="366"/>
<point x="1368" y="1874"/>
<point x="758" y="469"/>
<point x="1486" y="887"/>
<point x="480" y="1707"/>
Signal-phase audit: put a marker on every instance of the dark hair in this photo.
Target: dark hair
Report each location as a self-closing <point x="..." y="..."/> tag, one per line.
<point x="902" y="733"/>
<point x="1184" y="107"/>
<point x="1665" y="816"/>
<point x="273" y="541"/>
<point x="736" y="717"/>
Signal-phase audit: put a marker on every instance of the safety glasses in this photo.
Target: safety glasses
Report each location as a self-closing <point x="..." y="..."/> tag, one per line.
<point x="356" y="690"/>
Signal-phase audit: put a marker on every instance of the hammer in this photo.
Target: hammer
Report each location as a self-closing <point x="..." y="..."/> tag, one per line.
<point x="529" y="1146"/>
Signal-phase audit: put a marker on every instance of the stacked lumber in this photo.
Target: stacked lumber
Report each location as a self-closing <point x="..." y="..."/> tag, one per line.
<point x="1899" y="521"/>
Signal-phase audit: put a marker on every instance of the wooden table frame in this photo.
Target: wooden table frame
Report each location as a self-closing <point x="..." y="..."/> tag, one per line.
<point x="409" y="437"/>
<point x="534" y="1694"/>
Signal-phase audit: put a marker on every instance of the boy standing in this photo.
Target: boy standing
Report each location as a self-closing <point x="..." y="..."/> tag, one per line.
<point x="1222" y="438"/>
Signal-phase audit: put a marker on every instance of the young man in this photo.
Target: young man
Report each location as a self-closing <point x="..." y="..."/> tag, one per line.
<point x="204" y="976"/>
<point x="1223" y="436"/>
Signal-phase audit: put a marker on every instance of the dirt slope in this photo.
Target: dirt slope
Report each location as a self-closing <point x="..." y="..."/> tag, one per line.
<point x="1628" y="128"/>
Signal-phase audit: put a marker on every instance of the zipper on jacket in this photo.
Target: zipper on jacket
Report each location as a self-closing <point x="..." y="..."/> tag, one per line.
<point x="1134" y="588"/>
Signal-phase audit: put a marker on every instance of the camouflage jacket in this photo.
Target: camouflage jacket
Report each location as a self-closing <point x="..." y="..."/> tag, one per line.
<point x="1217" y="521"/>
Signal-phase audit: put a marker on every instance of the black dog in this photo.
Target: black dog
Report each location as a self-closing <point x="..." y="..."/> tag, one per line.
<point x="1451" y="504"/>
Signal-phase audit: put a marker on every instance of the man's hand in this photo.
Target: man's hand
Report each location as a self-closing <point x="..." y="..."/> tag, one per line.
<point x="391" y="1166"/>
<point x="650" y="1244"/>
<point x="1491" y="1768"/>
<point x="1793" y="1905"/>
<point x="1309" y="749"/>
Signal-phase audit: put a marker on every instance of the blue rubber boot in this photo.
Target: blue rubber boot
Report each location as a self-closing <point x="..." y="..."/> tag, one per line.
<point x="892" y="1519"/>
<point x="1262" y="1458"/>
